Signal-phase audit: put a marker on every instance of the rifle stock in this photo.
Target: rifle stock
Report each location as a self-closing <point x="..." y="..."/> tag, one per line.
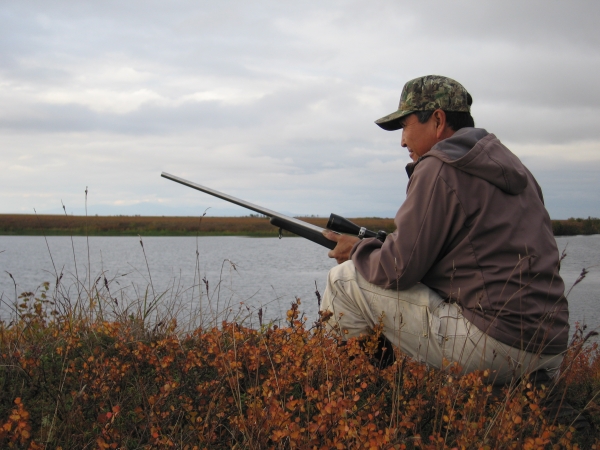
<point x="291" y="224"/>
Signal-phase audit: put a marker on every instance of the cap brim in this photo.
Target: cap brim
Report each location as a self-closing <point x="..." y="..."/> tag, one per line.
<point x="393" y="121"/>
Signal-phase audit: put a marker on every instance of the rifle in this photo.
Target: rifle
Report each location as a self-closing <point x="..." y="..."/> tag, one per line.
<point x="299" y="227"/>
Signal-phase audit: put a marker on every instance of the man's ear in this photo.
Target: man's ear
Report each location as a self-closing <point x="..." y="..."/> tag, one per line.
<point x="441" y="126"/>
<point x="440" y="119"/>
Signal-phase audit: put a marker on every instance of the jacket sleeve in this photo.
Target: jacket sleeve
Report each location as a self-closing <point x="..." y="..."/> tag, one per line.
<point x="425" y="225"/>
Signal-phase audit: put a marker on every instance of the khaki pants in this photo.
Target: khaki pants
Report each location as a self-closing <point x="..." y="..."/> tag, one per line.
<point x="422" y="325"/>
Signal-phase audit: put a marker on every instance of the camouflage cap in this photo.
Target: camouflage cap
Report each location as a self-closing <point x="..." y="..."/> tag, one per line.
<point x="427" y="93"/>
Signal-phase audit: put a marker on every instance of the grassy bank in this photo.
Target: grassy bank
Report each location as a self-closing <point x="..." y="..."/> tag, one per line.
<point x="88" y="372"/>
<point x="573" y="226"/>
<point x="28" y="224"/>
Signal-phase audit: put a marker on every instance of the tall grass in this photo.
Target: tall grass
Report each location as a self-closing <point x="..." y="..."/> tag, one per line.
<point x="148" y="226"/>
<point x="27" y="224"/>
<point x="572" y="226"/>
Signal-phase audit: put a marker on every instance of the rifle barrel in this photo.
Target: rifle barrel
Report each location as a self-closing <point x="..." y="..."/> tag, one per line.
<point x="296" y="226"/>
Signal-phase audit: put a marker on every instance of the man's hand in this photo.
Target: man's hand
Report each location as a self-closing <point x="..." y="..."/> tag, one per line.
<point x="341" y="252"/>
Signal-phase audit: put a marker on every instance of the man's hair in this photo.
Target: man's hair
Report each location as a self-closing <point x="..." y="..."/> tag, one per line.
<point x="455" y="120"/>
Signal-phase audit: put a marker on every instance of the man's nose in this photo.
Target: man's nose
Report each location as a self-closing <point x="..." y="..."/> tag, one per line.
<point x="402" y="143"/>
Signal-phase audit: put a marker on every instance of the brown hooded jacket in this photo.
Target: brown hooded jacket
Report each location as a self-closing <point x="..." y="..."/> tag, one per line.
<point x="474" y="229"/>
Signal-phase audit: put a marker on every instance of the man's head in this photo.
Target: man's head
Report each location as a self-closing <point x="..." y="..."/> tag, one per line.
<point x="431" y="109"/>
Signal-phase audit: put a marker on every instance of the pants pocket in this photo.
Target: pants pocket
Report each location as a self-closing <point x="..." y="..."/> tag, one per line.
<point x="412" y="319"/>
<point x="452" y="331"/>
<point x="400" y="315"/>
<point x="451" y="321"/>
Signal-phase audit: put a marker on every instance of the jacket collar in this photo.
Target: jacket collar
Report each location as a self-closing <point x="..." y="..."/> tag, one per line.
<point x="410" y="167"/>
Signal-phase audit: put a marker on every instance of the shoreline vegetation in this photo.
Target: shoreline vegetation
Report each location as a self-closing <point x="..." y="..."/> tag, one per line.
<point x="80" y="369"/>
<point x="251" y="226"/>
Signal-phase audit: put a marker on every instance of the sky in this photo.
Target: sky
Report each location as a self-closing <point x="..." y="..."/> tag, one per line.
<point x="274" y="101"/>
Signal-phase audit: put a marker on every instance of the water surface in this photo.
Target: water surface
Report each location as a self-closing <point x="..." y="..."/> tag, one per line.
<point x="258" y="272"/>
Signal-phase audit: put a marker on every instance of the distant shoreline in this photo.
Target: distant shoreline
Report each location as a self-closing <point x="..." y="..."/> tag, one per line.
<point x="251" y="226"/>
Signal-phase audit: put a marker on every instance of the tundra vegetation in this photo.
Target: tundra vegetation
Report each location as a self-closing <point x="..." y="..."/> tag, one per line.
<point x="253" y="225"/>
<point x="80" y="369"/>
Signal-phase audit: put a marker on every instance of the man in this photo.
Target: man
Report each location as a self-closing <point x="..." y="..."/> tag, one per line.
<point x="470" y="275"/>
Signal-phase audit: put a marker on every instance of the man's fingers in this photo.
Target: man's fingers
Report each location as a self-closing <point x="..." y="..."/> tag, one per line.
<point x="342" y="250"/>
<point x="331" y="235"/>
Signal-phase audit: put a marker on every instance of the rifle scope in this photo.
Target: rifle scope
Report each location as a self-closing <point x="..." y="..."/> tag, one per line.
<point x="343" y="225"/>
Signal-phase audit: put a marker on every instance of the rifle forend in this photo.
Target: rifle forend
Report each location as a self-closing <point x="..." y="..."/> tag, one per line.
<point x="291" y="224"/>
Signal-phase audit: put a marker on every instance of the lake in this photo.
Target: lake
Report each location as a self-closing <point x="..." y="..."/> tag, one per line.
<point x="243" y="274"/>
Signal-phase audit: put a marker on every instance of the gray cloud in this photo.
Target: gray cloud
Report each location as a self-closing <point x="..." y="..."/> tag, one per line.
<point x="276" y="100"/>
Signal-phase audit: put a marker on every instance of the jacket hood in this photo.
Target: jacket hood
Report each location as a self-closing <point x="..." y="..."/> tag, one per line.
<point x="481" y="154"/>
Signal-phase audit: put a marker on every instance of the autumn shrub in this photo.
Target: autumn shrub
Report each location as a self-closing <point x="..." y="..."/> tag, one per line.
<point x="73" y="380"/>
